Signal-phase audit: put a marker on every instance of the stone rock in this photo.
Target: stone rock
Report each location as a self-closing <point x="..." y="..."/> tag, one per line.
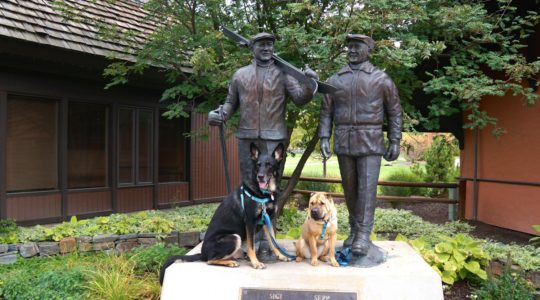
<point x="125" y="237"/>
<point x="4" y="248"/>
<point x="147" y="241"/>
<point x="67" y="245"/>
<point x="188" y="239"/>
<point x="8" y="258"/>
<point x="125" y="246"/>
<point x="85" y="247"/>
<point x="48" y="248"/>
<point x="28" y="250"/>
<point x="104" y="238"/>
<point x="84" y="239"/>
<point x="171" y="238"/>
<point x="13" y="247"/>
<point x="147" y="235"/>
<point x="103" y="246"/>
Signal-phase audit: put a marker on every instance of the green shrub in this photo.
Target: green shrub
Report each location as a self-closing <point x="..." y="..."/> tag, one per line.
<point x="440" y="162"/>
<point x="8" y="232"/>
<point x="151" y="258"/>
<point x="454" y="259"/>
<point x="511" y="285"/>
<point x="406" y="176"/>
<point x="115" y="279"/>
<point x="58" y="283"/>
<point x="525" y="256"/>
<point x="535" y="241"/>
<point x="7" y="226"/>
<point x="413" y="226"/>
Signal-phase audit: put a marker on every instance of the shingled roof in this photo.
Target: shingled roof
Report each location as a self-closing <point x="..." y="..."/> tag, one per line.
<point x="39" y="21"/>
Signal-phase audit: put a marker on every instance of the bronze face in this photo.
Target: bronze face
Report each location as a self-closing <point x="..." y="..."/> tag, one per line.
<point x="357" y="52"/>
<point x="262" y="50"/>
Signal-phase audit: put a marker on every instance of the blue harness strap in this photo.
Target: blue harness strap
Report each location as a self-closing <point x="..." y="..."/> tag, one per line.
<point x="265" y="218"/>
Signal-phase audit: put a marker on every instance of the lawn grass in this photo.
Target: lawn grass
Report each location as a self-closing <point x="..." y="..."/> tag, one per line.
<point x="314" y="167"/>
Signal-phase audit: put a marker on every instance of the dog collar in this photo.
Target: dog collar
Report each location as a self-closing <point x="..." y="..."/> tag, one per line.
<point x="266" y="199"/>
<point x="321" y="237"/>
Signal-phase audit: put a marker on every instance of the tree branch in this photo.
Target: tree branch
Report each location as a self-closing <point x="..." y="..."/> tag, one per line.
<point x="287" y="191"/>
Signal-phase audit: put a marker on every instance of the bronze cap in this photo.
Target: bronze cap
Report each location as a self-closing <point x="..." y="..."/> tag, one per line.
<point x="361" y="38"/>
<point x="262" y="36"/>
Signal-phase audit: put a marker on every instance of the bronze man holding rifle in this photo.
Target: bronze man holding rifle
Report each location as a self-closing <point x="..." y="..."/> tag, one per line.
<point x="259" y="91"/>
<point x="364" y="96"/>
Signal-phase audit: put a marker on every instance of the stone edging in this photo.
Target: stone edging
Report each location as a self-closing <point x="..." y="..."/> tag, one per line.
<point x="109" y="243"/>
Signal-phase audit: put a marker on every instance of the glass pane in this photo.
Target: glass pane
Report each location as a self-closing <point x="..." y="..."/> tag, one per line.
<point x="87" y="145"/>
<point x="125" y="146"/>
<point x="32" y="144"/>
<point x="145" y="145"/>
<point x="172" y="149"/>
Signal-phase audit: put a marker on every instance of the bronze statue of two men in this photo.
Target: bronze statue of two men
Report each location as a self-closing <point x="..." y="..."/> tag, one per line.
<point x="364" y="96"/>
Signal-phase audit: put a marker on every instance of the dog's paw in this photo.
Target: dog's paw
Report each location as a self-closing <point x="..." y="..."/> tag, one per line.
<point x="258" y="265"/>
<point x="334" y="263"/>
<point x="324" y="258"/>
<point x="233" y="264"/>
<point x="299" y="259"/>
<point x="283" y="258"/>
<point x="314" y="262"/>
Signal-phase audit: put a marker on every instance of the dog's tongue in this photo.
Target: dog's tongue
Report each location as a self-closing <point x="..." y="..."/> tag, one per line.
<point x="263" y="185"/>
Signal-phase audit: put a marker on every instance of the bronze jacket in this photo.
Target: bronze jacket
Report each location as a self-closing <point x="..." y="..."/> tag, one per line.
<point x="262" y="103"/>
<point x="358" y="108"/>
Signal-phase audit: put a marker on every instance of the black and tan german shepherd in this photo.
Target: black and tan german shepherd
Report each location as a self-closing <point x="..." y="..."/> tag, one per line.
<point x="235" y="222"/>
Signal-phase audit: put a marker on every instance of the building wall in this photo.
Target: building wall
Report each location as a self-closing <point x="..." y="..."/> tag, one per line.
<point x="514" y="157"/>
<point x="205" y="183"/>
<point x="207" y="175"/>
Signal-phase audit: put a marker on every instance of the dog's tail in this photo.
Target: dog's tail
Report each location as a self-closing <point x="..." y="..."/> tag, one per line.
<point x="171" y="260"/>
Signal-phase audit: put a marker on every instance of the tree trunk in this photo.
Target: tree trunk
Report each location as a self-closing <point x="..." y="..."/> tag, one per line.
<point x="296" y="174"/>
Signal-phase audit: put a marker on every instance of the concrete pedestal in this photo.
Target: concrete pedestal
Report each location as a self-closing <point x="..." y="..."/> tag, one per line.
<point x="404" y="275"/>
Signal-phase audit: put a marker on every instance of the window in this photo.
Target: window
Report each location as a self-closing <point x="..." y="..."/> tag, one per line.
<point x="172" y="149"/>
<point x="87" y="145"/>
<point x="32" y="144"/>
<point x="135" y="146"/>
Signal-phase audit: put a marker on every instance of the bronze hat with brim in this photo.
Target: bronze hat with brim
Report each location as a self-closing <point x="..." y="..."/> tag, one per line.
<point x="262" y="36"/>
<point x="361" y="38"/>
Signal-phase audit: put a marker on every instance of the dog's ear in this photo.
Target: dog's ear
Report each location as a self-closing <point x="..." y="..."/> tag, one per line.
<point x="330" y="199"/>
<point x="278" y="152"/>
<point x="254" y="151"/>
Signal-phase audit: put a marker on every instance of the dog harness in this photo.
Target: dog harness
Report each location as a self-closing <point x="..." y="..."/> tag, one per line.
<point x="269" y="197"/>
<point x="265" y="218"/>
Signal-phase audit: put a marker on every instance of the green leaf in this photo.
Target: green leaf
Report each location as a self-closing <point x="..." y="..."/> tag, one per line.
<point x="401" y="238"/>
<point x="448" y="277"/>
<point x="444" y="248"/>
<point x="472" y="266"/>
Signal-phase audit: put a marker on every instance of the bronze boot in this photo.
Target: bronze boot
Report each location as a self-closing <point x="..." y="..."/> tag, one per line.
<point x="354" y="229"/>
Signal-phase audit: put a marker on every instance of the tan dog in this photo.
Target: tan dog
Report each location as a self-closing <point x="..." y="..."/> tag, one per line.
<point x="314" y="243"/>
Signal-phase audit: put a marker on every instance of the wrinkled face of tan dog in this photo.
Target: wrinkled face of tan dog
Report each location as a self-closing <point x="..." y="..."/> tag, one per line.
<point x="320" y="206"/>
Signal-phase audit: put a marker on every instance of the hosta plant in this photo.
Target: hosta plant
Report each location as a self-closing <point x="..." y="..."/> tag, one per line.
<point x="455" y="258"/>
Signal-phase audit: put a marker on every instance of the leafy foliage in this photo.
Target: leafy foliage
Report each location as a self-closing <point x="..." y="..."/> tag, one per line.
<point x="525" y="256"/>
<point x="511" y="285"/>
<point x="151" y="258"/>
<point x="455" y="52"/>
<point x="454" y="258"/>
<point x="60" y="284"/>
<point x="536" y="240"/>
<point x="406" y="176"/>
<point x="116" y="279"/>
